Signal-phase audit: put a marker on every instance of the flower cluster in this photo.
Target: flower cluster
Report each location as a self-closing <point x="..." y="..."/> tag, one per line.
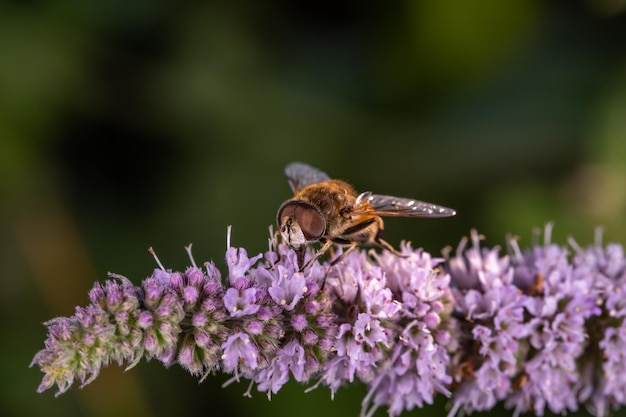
<point x="541" y="329"/>
<point x="536" y="329"/>
<point x="395" y="333"/>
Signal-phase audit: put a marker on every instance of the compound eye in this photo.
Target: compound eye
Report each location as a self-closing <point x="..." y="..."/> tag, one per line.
<point x="311" y="221"/>
<point x="286" y="212"/>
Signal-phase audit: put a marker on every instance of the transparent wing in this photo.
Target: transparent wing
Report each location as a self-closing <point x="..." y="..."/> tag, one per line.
<point x="300" y="175"/>
<point x="386" y="205"/>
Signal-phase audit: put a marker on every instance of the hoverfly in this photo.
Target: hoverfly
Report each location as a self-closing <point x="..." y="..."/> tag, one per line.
<point x="331" y="211"/>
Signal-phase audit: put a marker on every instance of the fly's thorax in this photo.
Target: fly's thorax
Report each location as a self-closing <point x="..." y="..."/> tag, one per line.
<point x="333" y="198"/>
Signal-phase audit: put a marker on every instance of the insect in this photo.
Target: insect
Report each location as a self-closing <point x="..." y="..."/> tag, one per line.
<point x="332" y="212"/>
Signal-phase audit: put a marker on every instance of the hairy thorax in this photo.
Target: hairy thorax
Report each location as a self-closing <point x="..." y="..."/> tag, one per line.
<point x="335" y="199"/>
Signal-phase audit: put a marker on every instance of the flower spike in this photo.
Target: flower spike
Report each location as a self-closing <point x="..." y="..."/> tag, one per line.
<point x="536" y="329"/>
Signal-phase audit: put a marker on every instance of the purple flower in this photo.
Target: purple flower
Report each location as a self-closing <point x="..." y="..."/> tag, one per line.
<point x="239" y="350"/>
<point x="288" y="289"/>
<point x="241" y="302"/>
<point x="368" y="331"/>
<point x="239" y="263"/>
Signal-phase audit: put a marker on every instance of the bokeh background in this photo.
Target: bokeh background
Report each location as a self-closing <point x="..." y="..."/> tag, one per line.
<point x="130" y="124"/>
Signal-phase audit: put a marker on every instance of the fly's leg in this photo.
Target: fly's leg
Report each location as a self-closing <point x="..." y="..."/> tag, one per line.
<point x="327" y="244"/>
<point x="338" y="259"/>
<point x="383" y="244"/>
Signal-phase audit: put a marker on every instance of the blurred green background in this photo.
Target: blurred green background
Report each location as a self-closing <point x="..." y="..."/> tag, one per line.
<point x="129" y="124"/>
